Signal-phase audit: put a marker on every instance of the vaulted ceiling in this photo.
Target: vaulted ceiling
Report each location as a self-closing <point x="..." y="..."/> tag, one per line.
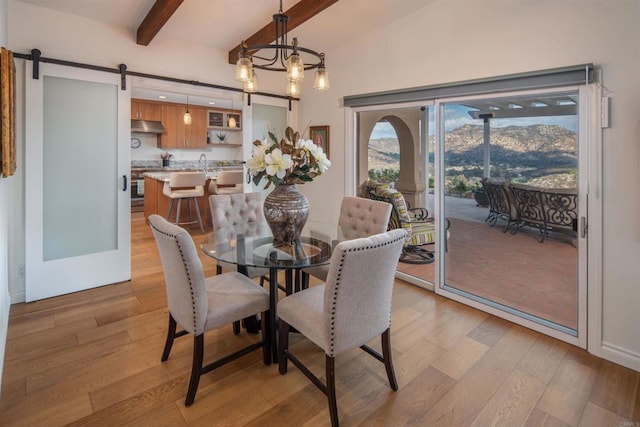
<point x="223" y="24"/>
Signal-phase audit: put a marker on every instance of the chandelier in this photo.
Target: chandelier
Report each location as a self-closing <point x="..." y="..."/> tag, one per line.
<point x="285" y="57"/>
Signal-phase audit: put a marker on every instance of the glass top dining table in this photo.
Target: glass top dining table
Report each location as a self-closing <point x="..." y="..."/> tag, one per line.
<point x="251" y="245"/>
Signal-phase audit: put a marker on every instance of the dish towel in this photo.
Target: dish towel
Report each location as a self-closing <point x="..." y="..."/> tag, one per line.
<point x="140" y="187"/>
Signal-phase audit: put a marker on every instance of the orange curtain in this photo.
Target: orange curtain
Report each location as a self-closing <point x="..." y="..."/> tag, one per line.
<point x="8" y="105"/>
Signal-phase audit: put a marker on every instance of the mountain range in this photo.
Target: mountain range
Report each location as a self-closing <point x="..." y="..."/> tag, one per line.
<point x="537" y="146"/>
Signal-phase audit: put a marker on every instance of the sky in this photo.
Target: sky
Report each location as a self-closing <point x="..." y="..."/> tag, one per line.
<point x="458" y="115"/>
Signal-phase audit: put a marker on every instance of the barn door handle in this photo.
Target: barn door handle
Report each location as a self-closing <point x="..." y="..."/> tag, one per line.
<point x="124" y="187"/>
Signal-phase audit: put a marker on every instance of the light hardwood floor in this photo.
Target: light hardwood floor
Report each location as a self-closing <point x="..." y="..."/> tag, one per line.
<point x="93" y="358"/>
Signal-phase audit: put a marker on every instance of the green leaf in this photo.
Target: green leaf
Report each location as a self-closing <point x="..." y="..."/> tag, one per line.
<point x="272" y="136"/>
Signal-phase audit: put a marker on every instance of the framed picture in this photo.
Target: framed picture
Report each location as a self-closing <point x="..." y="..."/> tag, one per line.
<point x="320" y="136"/>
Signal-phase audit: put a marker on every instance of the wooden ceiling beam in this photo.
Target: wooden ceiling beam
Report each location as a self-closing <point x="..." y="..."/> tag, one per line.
<point x="155" y="20"/>
<point x="298" y="13"/>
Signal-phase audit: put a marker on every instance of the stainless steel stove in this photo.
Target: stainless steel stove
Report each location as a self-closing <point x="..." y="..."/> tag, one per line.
<point x="137" y="187"/>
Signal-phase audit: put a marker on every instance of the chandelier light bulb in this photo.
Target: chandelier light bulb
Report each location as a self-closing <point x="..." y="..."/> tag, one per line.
<point x="244" y="69"/>
<point x="292" y="88"/>
<point x="251" y="85"/>
<point x="295" y="68"/>
<point x="321" y="81"/>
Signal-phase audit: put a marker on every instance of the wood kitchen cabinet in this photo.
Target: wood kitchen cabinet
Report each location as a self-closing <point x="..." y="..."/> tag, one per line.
<point x="230" y="120"/>
<point x="179" y="135"/>
<point x="145" y="110"/>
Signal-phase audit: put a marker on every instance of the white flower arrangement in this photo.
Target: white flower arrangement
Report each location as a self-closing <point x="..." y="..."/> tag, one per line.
<point x="293" y="160"/>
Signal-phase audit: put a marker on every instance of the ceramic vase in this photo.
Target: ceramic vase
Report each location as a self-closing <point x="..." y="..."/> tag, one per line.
<point x="286" y="211"/>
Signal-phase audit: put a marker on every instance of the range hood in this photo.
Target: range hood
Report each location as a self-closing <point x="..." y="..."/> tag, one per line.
<point x="146" y="126"/>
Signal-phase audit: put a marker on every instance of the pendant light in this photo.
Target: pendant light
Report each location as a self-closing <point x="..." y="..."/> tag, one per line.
<point x="251" y="85"/>
<point x="282" y="56"/>
<point x="232" y="120"/>
<point x="321" y="81"/>
<point x="187" y="115"/>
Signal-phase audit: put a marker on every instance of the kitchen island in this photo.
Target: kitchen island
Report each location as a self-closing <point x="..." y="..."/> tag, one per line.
<point x="155" y="202"/>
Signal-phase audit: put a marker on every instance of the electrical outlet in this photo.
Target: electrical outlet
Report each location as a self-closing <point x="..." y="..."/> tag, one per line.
<point x="21" y="271"/>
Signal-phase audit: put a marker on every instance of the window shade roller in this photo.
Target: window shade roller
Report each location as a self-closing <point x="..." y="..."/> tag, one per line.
<point x="565" y="76"/>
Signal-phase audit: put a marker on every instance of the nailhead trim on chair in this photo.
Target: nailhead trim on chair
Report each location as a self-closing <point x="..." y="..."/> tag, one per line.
<point x="337" y="285"/>
<point x="193" y="299"/>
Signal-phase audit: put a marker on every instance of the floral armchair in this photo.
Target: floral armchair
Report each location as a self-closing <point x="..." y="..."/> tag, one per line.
<point x="420" y="228"/>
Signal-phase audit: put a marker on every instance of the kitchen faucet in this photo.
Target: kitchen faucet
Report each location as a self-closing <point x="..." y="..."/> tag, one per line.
<point x="204" y="166"/>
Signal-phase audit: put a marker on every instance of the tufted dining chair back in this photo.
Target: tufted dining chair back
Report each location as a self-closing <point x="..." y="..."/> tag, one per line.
<point x="230" y="210"/>
<point x="234" y="210"/>
<point x="359" y="217"/>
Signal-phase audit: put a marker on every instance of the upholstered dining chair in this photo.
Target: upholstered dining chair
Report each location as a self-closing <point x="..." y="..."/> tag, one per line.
<point x="200" y="304"/>
<point x="241" y="209"/>
<point x="351" y="308"/>
<point x="227" y="182"/>
<point x="188" y="186"/>
<point x="359" y="217"/>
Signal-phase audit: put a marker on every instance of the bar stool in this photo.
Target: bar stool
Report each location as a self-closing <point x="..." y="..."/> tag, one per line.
<point x="185" y="185"/>
<point x="222" y="184"/>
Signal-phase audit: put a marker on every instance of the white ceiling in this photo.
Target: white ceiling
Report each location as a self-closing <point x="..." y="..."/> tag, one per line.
<point x="223" y="24"/>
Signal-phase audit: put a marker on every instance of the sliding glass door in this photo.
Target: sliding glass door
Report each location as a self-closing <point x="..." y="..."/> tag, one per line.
<point x="510" y="168"/>
<point x="500" y="177"/>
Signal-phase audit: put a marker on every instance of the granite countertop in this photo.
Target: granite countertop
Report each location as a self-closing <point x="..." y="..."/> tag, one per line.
<point x="179" y="165"/>
<point x="164" y="176"/>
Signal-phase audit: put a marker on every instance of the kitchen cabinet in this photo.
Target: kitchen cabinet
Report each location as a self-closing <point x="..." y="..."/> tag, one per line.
<point x="224" y="119"/>
<point x="151" y="188"/>
<point x="177" y="133"/>
<point x="144" y="110"/>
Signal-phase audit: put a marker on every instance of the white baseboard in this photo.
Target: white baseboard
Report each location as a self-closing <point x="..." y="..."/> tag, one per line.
<point x="621" y="356"/>
<point x="17" y="297"/>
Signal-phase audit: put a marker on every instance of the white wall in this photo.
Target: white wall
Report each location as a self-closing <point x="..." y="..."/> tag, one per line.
<point x="6" y="188"/>
<point x="449" y="41"/>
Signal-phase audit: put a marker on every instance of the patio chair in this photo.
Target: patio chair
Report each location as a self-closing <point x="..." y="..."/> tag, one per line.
<point x="501" y="205"/>
<point x="420" y="228"/>
<point x="529" y="205"/>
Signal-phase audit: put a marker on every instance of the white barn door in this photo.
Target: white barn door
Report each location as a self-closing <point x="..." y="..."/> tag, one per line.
<point x="77" y="196"/>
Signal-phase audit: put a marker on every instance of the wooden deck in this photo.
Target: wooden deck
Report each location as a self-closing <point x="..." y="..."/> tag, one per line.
<point x="93" y="358"/>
